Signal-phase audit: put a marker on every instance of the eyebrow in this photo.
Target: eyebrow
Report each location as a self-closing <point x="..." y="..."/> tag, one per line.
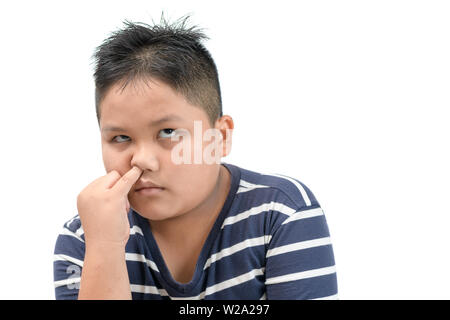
<point x="153" y="123"/>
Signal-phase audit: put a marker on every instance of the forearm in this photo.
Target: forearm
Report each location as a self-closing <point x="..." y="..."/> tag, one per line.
<point x="104" y="275"/>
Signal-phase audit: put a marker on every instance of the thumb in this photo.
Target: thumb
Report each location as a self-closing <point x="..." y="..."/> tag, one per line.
<point x="124" y="184"/>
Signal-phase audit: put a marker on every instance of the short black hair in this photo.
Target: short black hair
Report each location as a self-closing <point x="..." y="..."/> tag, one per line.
<point x="171" y="53"/>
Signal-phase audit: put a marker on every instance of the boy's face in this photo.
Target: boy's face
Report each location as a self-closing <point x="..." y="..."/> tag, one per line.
<point x="149" y="146"/>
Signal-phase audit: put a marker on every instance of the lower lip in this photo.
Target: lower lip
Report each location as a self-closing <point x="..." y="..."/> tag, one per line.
<point x="150" y="191"/>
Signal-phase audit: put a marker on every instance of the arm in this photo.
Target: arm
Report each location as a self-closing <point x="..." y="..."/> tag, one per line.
<point x="299" y="260"/>
<point x="102" y="208"/>
<point x="68" y="260"/>
<point x="105" y="274"/>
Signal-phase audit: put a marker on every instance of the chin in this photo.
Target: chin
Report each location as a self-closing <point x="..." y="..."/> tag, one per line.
<point x="153" y="214"/>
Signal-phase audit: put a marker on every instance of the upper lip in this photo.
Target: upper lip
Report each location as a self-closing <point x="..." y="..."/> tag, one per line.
<point x="147" y="184"/>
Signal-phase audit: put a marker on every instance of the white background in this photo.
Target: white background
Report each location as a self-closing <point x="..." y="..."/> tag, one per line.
<point x="350" y="97"/>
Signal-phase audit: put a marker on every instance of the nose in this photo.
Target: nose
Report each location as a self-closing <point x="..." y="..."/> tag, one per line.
<point x="145" y="158"/>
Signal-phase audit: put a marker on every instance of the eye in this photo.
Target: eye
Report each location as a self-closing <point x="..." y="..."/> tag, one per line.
<point x="166" y="133"/>
<point x="169" y="132"/>
<point x="114" y="138"/>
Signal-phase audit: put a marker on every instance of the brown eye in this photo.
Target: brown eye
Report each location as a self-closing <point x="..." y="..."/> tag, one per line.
<point x="114" y="138"/>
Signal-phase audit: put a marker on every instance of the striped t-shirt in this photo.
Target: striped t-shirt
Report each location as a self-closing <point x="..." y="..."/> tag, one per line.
<point x="270" y="241"/>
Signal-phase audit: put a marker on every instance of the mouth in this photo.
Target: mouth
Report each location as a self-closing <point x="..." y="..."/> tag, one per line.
<point x="149" y="191"/>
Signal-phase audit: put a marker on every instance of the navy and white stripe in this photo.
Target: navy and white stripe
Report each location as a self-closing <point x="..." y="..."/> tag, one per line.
<point x="270" y="241"/>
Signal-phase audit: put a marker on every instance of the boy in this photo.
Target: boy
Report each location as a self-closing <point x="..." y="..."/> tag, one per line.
<point x="169" y="220"/>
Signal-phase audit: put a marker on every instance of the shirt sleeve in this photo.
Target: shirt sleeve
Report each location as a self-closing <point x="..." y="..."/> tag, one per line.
<point x="299" y="260"/>
<point x="68" y="260"/>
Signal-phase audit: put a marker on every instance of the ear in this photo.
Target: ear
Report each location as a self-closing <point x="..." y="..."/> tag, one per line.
<point x="225" y="125"/>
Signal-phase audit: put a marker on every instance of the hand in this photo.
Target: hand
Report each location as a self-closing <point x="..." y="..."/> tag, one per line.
<point x="103" y="206"/>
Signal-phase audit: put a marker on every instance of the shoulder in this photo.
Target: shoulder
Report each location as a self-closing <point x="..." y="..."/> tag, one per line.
<point x="70" y="244"/>
<point x="68" y="259"/>
<point x="286" y="188"/>
<point x="73" y="228"/>
<point x="274" y="199"/>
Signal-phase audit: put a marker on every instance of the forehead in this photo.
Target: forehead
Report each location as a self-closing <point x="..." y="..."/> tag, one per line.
<point x="150" y="102"/>
<point x="153" y="123"/>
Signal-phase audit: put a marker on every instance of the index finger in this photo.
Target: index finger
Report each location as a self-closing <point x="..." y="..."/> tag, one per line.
<point x="124" y="184"/>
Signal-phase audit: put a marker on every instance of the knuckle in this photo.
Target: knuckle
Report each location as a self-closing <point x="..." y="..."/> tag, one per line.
<point x="115" y="172"/>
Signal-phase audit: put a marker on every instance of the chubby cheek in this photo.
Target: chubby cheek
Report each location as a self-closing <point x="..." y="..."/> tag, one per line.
<point x="186" y="186"/>
<point x="108" y="159"/>
<point x="197" y="184"/>
<point x="113" y="161"/>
